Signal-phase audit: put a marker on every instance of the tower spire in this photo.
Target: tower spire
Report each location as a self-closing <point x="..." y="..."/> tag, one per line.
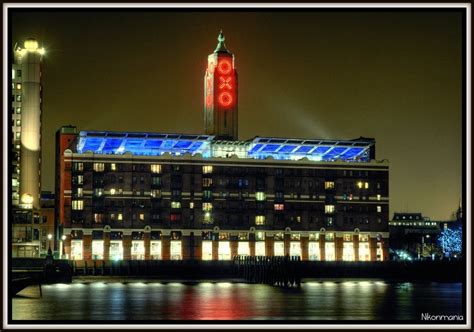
<point x="221" y="48"/>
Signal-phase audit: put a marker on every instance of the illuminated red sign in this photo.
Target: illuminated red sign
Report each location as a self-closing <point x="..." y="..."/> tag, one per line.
<point x="225" y="83"/>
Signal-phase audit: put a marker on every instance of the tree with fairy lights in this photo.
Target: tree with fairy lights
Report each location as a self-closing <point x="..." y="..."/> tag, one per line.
<point x="450" y="240"/>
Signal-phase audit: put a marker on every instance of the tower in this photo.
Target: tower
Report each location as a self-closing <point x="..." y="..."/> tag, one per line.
<point x="26" y="124"/>
<point x="221" y="93"/>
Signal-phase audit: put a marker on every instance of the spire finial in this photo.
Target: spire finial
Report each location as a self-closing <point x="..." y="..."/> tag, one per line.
<point x="221" y="46"/>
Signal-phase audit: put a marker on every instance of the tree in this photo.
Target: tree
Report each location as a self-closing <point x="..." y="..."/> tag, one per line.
<point x="450" y="240"/>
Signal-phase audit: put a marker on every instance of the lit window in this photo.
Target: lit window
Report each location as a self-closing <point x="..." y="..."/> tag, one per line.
<point x="378" y="185"/>
<point x="112" y="191"/>
<point x="314" y="251"/>
<point x="206" y="182"/>
<point x="97" y="249"/>
<point x="18" y="86"/>
<point x="329" y="208"/>
<point x="76" y="249"/>
<point x="191" y="205"/>
<point x="98" y="192"/>
<point x="155" y="249"/>
<point x="363" y="237"/>
<point x="364" y="251"/>
<point x="223" y="250"/>
<point x="98" y="167"/>
<point x="259" y="220"/>
<point x="314" y="237"/>
<point x="329" y="185"/>
<point x="113" y="167"/>
<point x="142" y="216"/>
<point x="112" y="216"/>
<point x="138" y="250"/>
<point x="79" y="192"/>
<point x="279" y="207"/>
<point x="243" y="248"/>
<point x="77" y="205"/>
<point x="116" y="250"/>
<point x="298" y="218"/>
<point x="206" y="169"/>
<point x="260" y="236"/>
<point x="360" y="184"/>
<point x="348" y="251"/>
<point x="295" y="237"/>
<point x="18" y="98"/>
<point x="13" y="73"/>
<point x="207" y="219"/>
<point x="260" y="196"/>
<point x="78" y="166"/>
<point x="260" y="248"/>
<point x="119" y="216"/>
<point x="379" y="208"/>
<point x="295" y="248"/>
<point x="175" y="250"/>
<point x="176" y="205"/>
<point x="155" y="168"/>
<point x="18" y="110"/>
<point x="17" y="146"/>
<point x="18" y="123"/>
<point x="207" y="206"/>
<point x="18" y="135"/>
<point x="279" y="248"/>
<point x="155" y="193"/>
<point x="206" y="250"/>
<point x="347" y="237"/>
<point x="156" y="180"/>
<point x="98" y="217"/>
<point x="329" y="236"/>
<point x="366" y="185"/>
<point x="378" y="197"/>
<point x="330" y="251"/>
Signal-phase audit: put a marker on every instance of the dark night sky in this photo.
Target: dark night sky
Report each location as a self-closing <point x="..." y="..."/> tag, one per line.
<point x="395" y="76"/>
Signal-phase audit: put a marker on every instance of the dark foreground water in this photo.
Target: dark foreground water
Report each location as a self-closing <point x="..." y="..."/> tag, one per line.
<point x="316" y="300"/>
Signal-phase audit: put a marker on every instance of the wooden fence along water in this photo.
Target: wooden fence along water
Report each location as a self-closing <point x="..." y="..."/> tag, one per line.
<point x="283" y="271"/>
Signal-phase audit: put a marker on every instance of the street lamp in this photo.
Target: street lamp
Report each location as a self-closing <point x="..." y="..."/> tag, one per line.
<point x="63" y="251"/>
<point x="50" y="252"/>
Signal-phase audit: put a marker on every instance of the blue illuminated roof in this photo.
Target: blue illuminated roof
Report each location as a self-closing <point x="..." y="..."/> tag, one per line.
<point x="147" y="144"/>
<point x="156" y="144"/>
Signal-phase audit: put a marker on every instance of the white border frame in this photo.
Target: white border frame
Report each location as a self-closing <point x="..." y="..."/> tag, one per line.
<point x="6" y="130"/>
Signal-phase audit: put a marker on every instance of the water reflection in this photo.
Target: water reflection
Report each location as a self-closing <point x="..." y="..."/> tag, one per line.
<point x="315" y="300"/>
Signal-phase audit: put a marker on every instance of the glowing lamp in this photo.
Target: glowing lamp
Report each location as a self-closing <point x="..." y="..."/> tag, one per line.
<point x="27" y="199"/>
<point x="31" y="44"/>
<point x="50" y="236"/>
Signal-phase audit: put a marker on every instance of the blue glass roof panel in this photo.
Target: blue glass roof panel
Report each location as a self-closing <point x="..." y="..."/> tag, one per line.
<point x="304" y="149"/>
<point x="287" y="148"/>
<point x="92" y="144"/>
<point x="352" y="152"/>
<point x="255" y="148"/>
<point x="321" y="150"/>
<point x="153" y="143"/>
<point x="270" y="147"/>
<point x="182" y="144"/>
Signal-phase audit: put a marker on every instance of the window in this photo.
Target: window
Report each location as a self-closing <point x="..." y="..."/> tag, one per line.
<point x="155" y="168"/>
<point x="112" y="191"/>
<point x="98" y="167"/>
<point x="243" y="248"/>
<point x="98" y="249"/>
<point x="348" y="251"/>
<point x="259" y="220"/>
<point x="18" y="98"/>
<point x="260" y="248"/>
<point x="379" y="208"/>
<point x="329" y="221"/>
<point x="120" y="217"/>
<point x="155" y="249"/>
<point x="77" y="205"/>
<point x="295" y="237"/>
<point x="314" y="251"/>
<point x="175" y="250"/>
<point x="155" y="180"/>
<point x="360" y="184"/>
<point x="224" y="251"/>
<point x="18" y="73"/>
<point x="18" y="135"/>
<point x="175" y="217"/>
<point x="18" y="86"/>
<point x="207" y="206"/>
<point x="98" y="192"/>
<point x="364" y="251"/>
<point x="347" y="237"/>
<point x="260" y="236"/>
<point x="18" y="123"/>
<point x="138" y="250"/>
<point x="378" y="185"/>
<point x="141" y="216"/>
<point x="113" y="167"/>
<point x="366" y="185"/>
<point x="155" y="193"/>
<point x="78" y="167"/>
<point x="79" y="192"/>
<point x="98" y="217"/>
<point x="330" y="251"/>
<point x="295" y="248"/>
<point x="279" y="207"/>
<point x="76" y="249"/>
<point x="298" y="219"/>
<point x="112" y="216"/>
<point x="378" y="197"/>
<point x="279" y="195"/>
<point x="207" y="218"/>
<point x="279" y="248"/>
<point x="207" y="169"/>
<point x="329" y="236"/>
<point x="206" y="250"/>
<point x="329" y="185"/>
<point x="314" y="237"/>
<point x="329" y="208"/>
<point x="260" y="196"/>
<point x="363" y="237"/>
<point x="175" y="205"/>
<point x="206" y="182"/>
<point x="116" y="250"/>
<point x="18" y="110"/>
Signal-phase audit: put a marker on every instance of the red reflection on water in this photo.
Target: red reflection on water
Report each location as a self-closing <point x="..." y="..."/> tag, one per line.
<point x="218" y="303"/>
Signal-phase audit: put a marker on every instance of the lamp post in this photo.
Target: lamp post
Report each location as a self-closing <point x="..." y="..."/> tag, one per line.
<point x="63" y="251"/>
<point x="50" y="252"/>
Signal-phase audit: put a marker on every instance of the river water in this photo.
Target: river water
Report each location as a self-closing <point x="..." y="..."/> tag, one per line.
<point x="314" y="300"/>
